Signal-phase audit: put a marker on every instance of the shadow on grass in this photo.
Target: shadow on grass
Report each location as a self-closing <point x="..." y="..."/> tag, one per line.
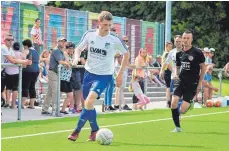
<point x="208" y="133"/>
<point x="159" y="145"/>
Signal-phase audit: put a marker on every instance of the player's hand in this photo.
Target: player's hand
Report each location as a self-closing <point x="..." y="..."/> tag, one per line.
<point x="161" y="75"/>
<point x="119" y="80"/>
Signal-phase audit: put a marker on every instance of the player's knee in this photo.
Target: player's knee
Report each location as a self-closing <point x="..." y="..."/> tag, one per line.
<point x="174" y="102"/>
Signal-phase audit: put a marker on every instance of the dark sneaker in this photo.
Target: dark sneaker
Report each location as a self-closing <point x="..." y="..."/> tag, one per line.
<point x="45" y="113"/>
<point x="6" y="105"/>
<point x="126" y="107"/>
<point x="65" y="112"/>
<point x="116" y="107"/>
<point x="92" y="137"/>
<point x="73" y="136"/>
<point x="110" y="108"/>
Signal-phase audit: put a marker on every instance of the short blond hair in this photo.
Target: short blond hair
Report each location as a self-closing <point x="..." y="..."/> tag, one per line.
<point x="105" y="15"/>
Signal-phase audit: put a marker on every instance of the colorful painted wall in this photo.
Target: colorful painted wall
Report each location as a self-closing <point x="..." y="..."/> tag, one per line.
<point x="9" y="19"/>
<point x="18" y="18"/>
<point x="28" y="14"/>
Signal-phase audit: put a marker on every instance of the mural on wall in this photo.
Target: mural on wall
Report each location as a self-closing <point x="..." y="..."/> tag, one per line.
<point x="119" y="23"/>
<point x="18" y="19"/>
<point x="9" y="19"/>
<point x="28" y="14"/>
<point x="133" y="31"/>
<point x="149" y="37"/>
<point x="76" y="25"/>
<point x="92" y="20"/>
<point x="55" y="26"/>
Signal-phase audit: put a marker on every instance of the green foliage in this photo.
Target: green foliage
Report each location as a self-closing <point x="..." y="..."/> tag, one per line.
<point x="208" y="20"/>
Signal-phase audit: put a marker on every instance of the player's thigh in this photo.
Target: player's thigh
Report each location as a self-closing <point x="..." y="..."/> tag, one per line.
<point x="189" y="92"/>
<point x="87" y="83"/>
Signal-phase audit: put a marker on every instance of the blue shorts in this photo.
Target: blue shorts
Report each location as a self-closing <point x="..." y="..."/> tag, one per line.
<point x="96" y="83"/>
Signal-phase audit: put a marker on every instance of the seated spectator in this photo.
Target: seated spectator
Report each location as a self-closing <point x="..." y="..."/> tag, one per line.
<point x="226" y="70"/>
<point x="207" y="56"/>
<point x="140" y="61"/>
<point x="207" y="86"/>
<point x="44" y="66"/>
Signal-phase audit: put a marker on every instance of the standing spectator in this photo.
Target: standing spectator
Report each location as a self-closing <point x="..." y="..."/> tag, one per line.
<point x="8" y="56"/>
<point x="77" y="81"/>
<point x="168" y="70"/>
<point x="13" y="77"/>
<point x="65" y="75"/>
<point x="125" y="76"/>
<point x="36" y="35"/>
<point x="207" y="85"/>
<point x="30" y="73"/>
<point x="57" y="57"/>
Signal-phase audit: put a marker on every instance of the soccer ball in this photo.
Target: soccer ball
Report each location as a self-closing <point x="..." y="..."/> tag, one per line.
<point x="209" y="103"/>
<point x="217" y="103"/>
<point x="104" y="136"/>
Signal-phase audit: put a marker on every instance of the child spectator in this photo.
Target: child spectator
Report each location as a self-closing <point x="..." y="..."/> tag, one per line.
<point x="143" y="99"/>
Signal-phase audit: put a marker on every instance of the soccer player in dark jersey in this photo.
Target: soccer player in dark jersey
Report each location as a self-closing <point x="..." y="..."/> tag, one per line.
<point x="191" y="70"/>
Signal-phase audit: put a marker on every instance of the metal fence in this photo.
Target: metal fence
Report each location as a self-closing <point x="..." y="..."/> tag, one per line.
<point x="81" y="66"/>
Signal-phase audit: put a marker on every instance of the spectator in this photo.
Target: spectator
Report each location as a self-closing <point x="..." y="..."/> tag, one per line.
<point x="8" y="56"/>
<point x="207" y="86"/>
<point x="77" y="81"/>
<point x="30" y="74"/>
<point x="36" y="35"/>
<point x="65" y="76"/>
<point x="207" y="56"/>
<point x="57" y="57"/>
<point x="44" y="65"/>
<point x="211" y="56"/>
<point x="13" y="77"/>
<point x="226" y="70"/>
<point x="157" y="63"/>
<point x="140" y="61"/>
<point x="168" y="70"/>
<point x="143" y="99"/>
<point x="117" y="90"/>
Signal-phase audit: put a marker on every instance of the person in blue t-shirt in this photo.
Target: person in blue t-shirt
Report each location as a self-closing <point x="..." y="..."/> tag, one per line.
<point x="207" y="86"/>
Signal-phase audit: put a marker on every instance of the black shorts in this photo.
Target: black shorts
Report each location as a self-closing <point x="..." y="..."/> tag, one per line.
<point x="167" y="78"/>
<point x="76" y="80"/>
<point x="187" y="90"/>
<point x="12" y="82"/>
<point x="3" y="80"/>
<point x="65" y="86"/>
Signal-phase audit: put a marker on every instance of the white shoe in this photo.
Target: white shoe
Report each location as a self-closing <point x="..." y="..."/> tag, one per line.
<point x="176" y="130"/>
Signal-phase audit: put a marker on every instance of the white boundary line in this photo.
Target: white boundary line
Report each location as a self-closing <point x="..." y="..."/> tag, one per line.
<point x="115" y="125"/>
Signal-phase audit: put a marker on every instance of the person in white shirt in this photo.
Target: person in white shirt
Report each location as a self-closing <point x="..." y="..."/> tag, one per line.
<point x="36" y="35"/>
<point x="99" y="68"/>
<point x="8" y="56"/>
<point x="171" y="59"/>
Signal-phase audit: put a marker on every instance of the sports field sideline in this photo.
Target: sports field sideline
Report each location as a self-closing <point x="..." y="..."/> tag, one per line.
<point x="203" y="129"/>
